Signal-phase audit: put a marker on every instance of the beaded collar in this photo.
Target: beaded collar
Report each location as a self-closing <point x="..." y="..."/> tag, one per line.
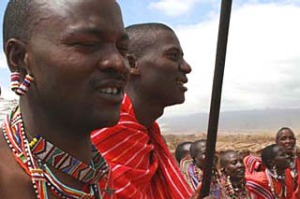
<point x="214" y="185"/>
<point x="281" y="179"/>
<point x="234" y="193"/>
<point x="294" y="171"/>
<point x="34" y="158"/>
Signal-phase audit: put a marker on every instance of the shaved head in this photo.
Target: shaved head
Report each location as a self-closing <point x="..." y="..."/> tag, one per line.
<point x="18" y="19"/>
<point x="141" y="42"/>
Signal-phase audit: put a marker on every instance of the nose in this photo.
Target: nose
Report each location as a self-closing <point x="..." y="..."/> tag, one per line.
<point x="114" y="61"/>
<point x="185" y="67"/>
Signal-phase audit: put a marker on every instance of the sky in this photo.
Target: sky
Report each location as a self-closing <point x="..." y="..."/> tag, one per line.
<point x="263" y="56"/>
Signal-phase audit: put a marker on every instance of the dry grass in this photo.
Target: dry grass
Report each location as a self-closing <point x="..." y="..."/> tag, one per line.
<point x="254" y="142"/>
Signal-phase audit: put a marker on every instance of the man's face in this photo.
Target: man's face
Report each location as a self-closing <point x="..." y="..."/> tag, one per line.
<point x="235" y="167"/>
<point x="164" y="70"/>
<point x="281" y="159"/>
<point x="200" y="157"/>
<point x="77" y="57"/>
<point x="287" y="140"/>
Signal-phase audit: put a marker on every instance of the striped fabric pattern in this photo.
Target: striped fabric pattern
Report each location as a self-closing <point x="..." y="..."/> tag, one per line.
<point x="253" y="164"/>
<point x="258" y="186"/>
<point x="142" y="166"/>
<point x="259" y="191"/>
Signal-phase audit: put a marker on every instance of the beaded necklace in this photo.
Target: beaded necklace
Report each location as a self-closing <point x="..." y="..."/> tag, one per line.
<point x="281" y="179"/>
<point x="34" y="162"/>
<point x="234" y="193"/>
<point x="214" y="185"/>
<point x="294" y="171"/>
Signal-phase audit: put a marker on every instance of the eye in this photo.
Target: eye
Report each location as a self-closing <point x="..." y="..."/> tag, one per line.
<point x="123" y="49"/>
<point x="283" y="138"/>
<point x="234" y="162"/>
<point x="86" y="46"/>
<point x="174" y="56"/>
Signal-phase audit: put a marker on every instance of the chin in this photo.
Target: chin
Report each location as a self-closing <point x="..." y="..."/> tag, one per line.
<point x="105" y="120"/>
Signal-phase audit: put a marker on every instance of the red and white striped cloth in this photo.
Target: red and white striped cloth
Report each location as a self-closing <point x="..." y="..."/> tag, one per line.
<point x="142" y="166"/>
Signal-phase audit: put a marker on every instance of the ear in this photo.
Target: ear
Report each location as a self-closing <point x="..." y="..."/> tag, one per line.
<point x="134" y="70"/>
<point x="271" y="162"/>
<point x="16" y="55"/>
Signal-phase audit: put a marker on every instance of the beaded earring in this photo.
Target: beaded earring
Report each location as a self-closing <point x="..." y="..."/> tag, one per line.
<point x="24" y="87"/>
<point x="15" y="78"/>
<point x="274" y="170"/>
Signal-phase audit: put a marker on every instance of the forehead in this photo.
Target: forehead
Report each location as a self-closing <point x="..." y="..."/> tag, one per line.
<point x="65" y="15"/>
<point x="166" y="40"/>
<point x="233" y="156"/>
<point x="201" y="147"/>
<point x="285" y="133"/>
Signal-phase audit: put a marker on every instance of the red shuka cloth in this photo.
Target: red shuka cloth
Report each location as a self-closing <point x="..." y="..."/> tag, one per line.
<point x="254" y="164"/>
<point x="257" y="181"/>
<point x="297" y="188"/>
<point x="141" y="164"/>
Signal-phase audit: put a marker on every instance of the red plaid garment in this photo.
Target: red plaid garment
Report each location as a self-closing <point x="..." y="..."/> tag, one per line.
<point x="141" y="164"/>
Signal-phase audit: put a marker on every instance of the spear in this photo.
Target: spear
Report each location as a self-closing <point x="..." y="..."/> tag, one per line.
<point x="216" y="96"/>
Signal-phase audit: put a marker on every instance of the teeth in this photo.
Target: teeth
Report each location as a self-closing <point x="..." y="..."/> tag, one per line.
<point x="112" y="91"/>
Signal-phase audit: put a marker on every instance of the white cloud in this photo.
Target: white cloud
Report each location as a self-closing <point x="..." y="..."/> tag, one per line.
<point x="3" y="63"/>
<point x="262" y="66"/>
<point x="6" y="93"/>
<point x="173" y="7"/>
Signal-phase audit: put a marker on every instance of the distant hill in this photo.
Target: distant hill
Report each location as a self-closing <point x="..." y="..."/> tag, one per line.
<point x="234" y="121"/>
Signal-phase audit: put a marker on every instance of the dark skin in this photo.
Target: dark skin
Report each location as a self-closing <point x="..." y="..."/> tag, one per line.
<point x="286" y="138"/>
<point x="186" y="150"/>
<point x="234" y="168"/>
<point x="78" y="85"/>
<point x="200" y="157"/>
<point x="280" y="160"/>
<point x="158" y="78"/>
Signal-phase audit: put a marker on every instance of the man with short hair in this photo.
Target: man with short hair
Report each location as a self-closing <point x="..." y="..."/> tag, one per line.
<point x="68" y="64"/>
<point x="285" y="137"/>
<point x="182" y="151"/>
<point x="193" y="168"/>
<point x="142" y="165"/>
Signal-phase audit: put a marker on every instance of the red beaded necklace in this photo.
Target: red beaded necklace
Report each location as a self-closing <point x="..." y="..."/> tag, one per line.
<point x="34" y="158"/>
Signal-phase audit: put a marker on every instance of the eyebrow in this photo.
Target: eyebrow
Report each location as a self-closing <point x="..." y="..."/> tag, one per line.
<point x="174" y="48"/>
<point x="91" y="31"/>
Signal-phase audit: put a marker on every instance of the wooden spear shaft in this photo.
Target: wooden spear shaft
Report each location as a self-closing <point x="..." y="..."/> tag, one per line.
<point x="216" y="96"/>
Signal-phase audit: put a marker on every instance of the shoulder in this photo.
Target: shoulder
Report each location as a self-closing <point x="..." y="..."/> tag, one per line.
<point x="14" y="183"/>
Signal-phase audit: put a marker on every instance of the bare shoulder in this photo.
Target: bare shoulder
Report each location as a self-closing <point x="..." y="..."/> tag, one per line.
<point x="14" y="182"/>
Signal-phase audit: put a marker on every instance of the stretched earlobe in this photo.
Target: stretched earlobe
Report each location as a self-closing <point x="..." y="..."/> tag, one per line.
<point x="134" y="69"/>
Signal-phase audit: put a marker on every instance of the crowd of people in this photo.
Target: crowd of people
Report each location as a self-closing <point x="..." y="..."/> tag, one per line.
<point x="272" y="175"/>
<point x="90" y="92"/>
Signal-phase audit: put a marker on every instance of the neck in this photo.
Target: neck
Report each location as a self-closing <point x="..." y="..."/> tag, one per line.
<point x="66" y="137"/>
<point x="238" y="183"/>
<point x="146" y="110"/>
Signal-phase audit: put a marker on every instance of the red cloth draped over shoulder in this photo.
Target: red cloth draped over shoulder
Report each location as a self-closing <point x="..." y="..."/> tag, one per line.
<point x="297" y="188"/>
<point x="141" y="164"/>
<point x="258" y="186"/>
<point x="253" y="164"/>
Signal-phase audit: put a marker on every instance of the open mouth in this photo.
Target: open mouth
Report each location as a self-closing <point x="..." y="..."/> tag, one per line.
<point x="181" y="81"/>
<point x="111" y="90"/>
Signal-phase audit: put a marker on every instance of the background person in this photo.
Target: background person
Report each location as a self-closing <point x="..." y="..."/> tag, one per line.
<point x="232" y="181"/>
<point x="273" y="181"/>
<point x="142" y="165"/>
